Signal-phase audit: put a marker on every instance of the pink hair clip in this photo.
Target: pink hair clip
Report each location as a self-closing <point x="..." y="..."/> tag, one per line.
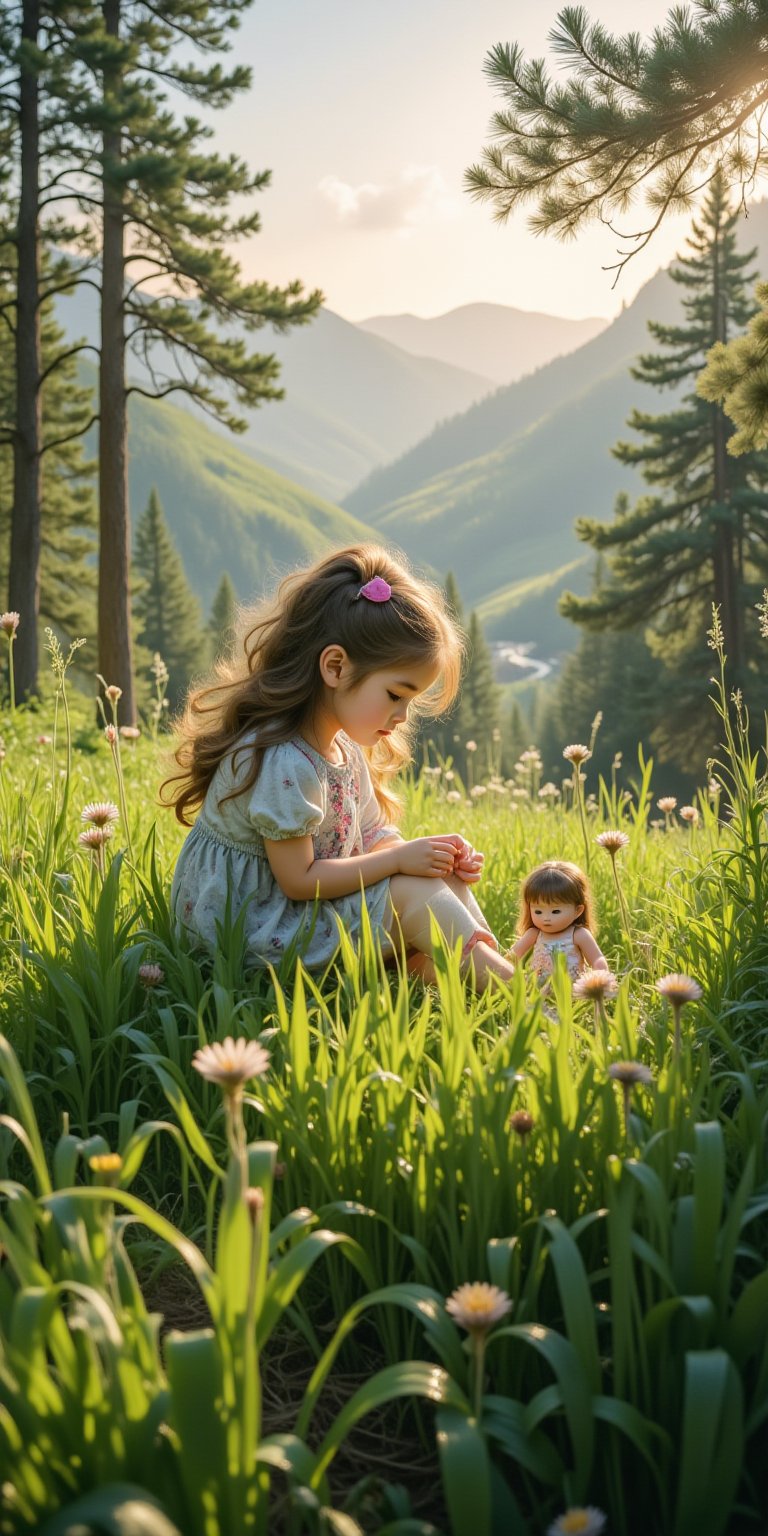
<point x="377" y="590"/>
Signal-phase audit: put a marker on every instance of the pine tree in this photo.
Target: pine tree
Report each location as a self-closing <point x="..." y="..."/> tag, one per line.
<point x="65" y="573"/>
<point x="735" y="378"/>
<point x="166" y="206"/>
<point x="630" y="117"/>
<point x="221" y="625"/>
<point x="700" y="537"/>
<point x="481" y="695"/>
<point x="443" y="737"/>
<point x="515" y="736"/>
<point x="167" y="612"/>
<point x="35" y="141"/>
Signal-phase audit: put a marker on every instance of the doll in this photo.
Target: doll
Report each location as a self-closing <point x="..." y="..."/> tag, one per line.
<point x="556" y="917"/>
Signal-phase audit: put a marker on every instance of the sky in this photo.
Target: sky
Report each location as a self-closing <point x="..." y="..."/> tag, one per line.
<point x="367" y="113"/>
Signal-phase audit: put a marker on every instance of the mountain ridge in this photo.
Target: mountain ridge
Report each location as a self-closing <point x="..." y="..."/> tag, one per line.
<point x="499" y="340"/>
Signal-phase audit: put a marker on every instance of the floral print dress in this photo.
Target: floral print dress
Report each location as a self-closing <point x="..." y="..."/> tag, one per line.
<point x="545" y="949"/>
<point x="297" y="792"/>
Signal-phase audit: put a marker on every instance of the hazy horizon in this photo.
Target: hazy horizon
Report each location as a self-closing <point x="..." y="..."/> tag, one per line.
<point x="368" y="120"/>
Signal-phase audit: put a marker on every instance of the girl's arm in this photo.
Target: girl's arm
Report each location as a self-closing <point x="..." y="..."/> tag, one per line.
<point x="522" y="945"/>
<point x="590" y="949"/>
<point x="302" y="877"/>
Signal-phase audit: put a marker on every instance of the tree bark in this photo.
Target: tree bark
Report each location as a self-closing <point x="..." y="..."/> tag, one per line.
<point x="114" y="602"/>
<point x="725" y="574"/>
<point x="24" y="573"/>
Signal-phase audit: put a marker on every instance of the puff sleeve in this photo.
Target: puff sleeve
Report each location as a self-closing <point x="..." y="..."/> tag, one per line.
<point x="287" y="799"/>
<point x="373" y="827"/>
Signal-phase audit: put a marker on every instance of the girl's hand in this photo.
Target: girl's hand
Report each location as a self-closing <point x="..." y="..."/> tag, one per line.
<point x="467" y="863"/>
<point x="470" y="867"/>
<point x="430" y="856"/>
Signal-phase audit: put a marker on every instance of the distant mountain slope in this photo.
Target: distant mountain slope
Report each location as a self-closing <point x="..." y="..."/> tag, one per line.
<point x="502" y="416"/>
<point x="352" y="401"/>
<point x="516" y="407"/>
<point x="225" y="511"/>
<point x="492" y="339"/>
<point x="524" y="609"/>
<point x="508" y="516"/>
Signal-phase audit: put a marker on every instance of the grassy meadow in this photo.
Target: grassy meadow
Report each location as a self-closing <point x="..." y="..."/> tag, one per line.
<point x="224" y="1312"/>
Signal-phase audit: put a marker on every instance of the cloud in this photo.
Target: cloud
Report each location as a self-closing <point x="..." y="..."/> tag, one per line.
<point x="420" y="196"/>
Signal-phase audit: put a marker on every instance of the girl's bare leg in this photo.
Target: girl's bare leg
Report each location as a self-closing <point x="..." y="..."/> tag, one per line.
<point x="415" y="901"/>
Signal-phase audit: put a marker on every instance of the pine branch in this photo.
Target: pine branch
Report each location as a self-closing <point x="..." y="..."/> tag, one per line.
<point x="58" y="442"/>
<point x="84" y="346"/>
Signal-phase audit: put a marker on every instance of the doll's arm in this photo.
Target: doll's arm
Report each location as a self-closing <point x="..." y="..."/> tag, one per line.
<point x="522" y="945"/>
<point x="590" y="949"/>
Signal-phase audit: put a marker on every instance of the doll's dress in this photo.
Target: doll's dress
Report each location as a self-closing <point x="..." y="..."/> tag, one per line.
<point x="545" y="949"/>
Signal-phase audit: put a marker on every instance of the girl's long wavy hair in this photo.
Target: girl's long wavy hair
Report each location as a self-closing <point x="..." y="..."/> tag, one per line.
<point x="557" y="880"/>
<point x="271" y="680"/>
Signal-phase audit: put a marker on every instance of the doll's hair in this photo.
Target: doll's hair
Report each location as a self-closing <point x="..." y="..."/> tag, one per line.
<point x="557" y="880"/>
<point x="271" y="680"/>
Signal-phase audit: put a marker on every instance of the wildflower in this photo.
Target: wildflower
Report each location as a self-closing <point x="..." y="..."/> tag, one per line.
<point x="587" y="1520"/>
<point x="94" y="837"/>
<point x="9" y="623"/>
<point x="521" y="1123"/>
<point x="713" y="789"/>
<point x="100" y="813"/>
<point x="630" y="1073"/>
<point x="44" y="741"/>
<point x="453" y="795"/>
<point x="130" y="732"/>
<point x="158" y="669"/>
<point x="762" y="609"/>
<point x="577" y="753"/>
<point x="110" y="734"/>
<point x="106" y="1166"/>
<point x="612" y="841"/>
<point x="667" y="804"/>
<point x="449" y="775"/>
<point x="113" y="693"/>
<point x="254" y="1199"/>
<point x="471" y="746"/>
<point x="595" y="985"/>
<point x="478" y="1306"/>
<point x="151" y="975"/>
<point x="690" y="814"/>
<point x="231" y="1063"/>
<point x="549" y="791"/>
<point x="678" y="989"/>
<point x="715" y="637"/>
<point x="478" y="791"/>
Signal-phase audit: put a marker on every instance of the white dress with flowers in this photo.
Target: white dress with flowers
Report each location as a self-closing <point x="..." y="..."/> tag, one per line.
<point x="297" y="793"/>
<point x="545" y="949"/>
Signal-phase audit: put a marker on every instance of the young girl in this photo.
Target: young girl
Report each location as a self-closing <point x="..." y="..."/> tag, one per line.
<point x="288" y="753"/>
<point x="555" y="919"/>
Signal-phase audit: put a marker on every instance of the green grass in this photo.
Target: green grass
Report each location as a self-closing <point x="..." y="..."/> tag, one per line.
<point x="631" y="1245"/>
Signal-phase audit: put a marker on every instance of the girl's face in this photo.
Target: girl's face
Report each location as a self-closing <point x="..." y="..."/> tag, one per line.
<point x="553" y="916"/>
<point x="373" y="709"/>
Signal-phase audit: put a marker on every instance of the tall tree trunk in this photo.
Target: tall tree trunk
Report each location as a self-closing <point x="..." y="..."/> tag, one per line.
<point x="114" y="605"/>
<point x="725" y="574"/>
<point x="24" y="574"/>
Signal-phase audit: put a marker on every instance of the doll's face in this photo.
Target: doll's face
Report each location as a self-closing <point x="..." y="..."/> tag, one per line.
<point x="554" y="916"/>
